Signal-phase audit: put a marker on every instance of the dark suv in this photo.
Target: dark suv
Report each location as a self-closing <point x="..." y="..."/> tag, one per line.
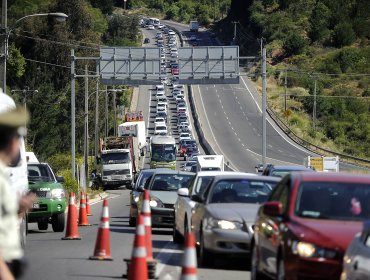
<point x="282" y="170"/>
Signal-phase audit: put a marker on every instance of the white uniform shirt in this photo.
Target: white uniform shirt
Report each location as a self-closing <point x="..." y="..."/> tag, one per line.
<point x="10" y="246"/>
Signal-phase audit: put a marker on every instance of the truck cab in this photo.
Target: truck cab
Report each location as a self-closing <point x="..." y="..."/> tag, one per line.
<point x="116" y="168"/>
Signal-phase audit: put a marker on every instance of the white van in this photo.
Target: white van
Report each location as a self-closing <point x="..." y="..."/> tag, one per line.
<point x="210" y="163"/>
<point x="18" y="173"/>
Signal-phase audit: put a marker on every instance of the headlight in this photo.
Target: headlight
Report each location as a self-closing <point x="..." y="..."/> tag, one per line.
<point x="308" y="250"/>
<point x="57" y="194"/>
<point x="136" y="199"/>
<point x="155" y="202"/>
<point x="212" y="223"/>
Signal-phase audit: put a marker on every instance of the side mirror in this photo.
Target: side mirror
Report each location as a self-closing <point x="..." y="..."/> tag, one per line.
<point x="60" y="179"/>
<point x="183" y="192"/>
<point x="140" y="189"/>
<point x="197" y="198"/>
<point x="273" y="208"/>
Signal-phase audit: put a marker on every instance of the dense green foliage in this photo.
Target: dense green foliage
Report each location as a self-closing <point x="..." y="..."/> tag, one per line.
<point x="205" y="11"/>
<point x="40" y="58"/>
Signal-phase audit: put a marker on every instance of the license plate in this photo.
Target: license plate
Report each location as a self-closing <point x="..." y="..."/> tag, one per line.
<point x="36" y="206"/>
<point x="117" y="177"/>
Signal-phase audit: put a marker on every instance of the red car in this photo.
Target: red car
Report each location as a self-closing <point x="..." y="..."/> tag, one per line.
<point x="305" y="227"/>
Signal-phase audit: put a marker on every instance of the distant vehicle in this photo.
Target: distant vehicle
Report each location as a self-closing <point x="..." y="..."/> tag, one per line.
<point x="150" y="27"/>
<point x="163" y="187"/>
<point x="154" y="22"/>
<point x="307" y="224"/>
<point x="160" y="129"/>
<point x="282" y="170"/>
<point x="160" y="26"/>
<point x="51" y="203"/>
<point x="210" y="163"/>
<point x="194" y="26"/>
<point x="223" y="217"/>
<point x="159" y="120"/>
<point x="162" y="114"/>
<point x="163" y="152"/>
<point x="357" y="258"/>
<point x="146" y="41"/>
<point x="187" y="165"/>
<point x="185" y="136"/>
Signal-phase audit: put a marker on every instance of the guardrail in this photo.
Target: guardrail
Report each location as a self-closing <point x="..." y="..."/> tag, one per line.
<point x="312" y="147"/>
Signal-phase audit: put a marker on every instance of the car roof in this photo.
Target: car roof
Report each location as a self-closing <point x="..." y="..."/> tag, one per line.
<point x="332" y="177"/>
<point x="246" y="176"/>
<point x="290" y="167"/>
<point x="216" y="173"/>
<point x="152" y="170"/>
<point x="170" y="171"/>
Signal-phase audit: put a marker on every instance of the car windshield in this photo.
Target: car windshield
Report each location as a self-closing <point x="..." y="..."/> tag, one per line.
<point x="143" y="178"/>
<point x="170" y="182"/>
<point x="202" y="184"/>
<point x="39" y="172"/>
<point x="240" y="191"/>
<point x="166" y="152"/>
<point x="115" y="158"/>
<point x="333" y="201"/>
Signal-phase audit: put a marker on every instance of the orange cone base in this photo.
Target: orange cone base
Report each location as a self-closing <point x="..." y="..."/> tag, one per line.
<point x="85" y="225"/>
<point x="152" y="268"/>
<point x="71" y="238"/>
<point x="101" y="258"/>
<point x="90" y="215"/>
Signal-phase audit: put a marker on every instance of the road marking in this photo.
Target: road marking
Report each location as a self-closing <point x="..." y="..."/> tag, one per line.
<point x="109" y="197"/>
<point x="164" y="255"/>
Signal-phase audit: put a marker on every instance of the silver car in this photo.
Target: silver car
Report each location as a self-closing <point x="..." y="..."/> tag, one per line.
<point x="163" y="187"/>
<point x="356" y="261"/>
<point x="223" y="217"/>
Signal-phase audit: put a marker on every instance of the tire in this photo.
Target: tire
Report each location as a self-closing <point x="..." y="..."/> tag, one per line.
<point x="58" y="222"/>
<point x="132" y="222"/>
<point x="280" y="269"/>
<point x="43" y="225"/>
<point x="255" y="273"/>
<point x="206" y="258"/>
<point x="177" y="238"/>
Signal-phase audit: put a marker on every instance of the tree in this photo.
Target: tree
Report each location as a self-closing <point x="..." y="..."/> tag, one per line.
<point x="106" y="6"/>
<point x="319" y="23"/>
<point x="343" y="34"/>
<point x="294" y="44"/>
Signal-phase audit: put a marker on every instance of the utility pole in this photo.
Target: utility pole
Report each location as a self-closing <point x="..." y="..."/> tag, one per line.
<point x="264" y="98"/>
<point x="285" y="88"/>
<point x="96" y="122"/>
<point x="86" y="138"/>
<point x="73" y="114"/>
<point x="234" y="38"/>
<point x="115" y="111"/>
<point x="4" y="43"/>
<point x="314" y="107"/>
<point x="106" y="111"/>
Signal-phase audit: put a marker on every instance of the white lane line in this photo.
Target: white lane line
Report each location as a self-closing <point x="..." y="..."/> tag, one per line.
<point x="164" y="255"/>
<point x="232" y="128"/>
<point x="239" y="140"/>
<point x="109" y="197"/>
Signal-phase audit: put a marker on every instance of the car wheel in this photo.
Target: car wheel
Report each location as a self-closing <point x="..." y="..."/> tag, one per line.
<point x="177" y="238"/>
<point x="281" y="269"/>
<point x="132" y="222"/>
<point x="206" y="258"/>
<point x="58" y="222"/>
<point x="43" y="225"/>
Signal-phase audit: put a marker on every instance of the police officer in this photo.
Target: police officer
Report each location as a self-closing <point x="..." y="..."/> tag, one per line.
<point x="11" y="253"/>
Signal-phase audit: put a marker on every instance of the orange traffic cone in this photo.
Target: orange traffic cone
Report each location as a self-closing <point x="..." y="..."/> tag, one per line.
<point x="88" y="211"/>
<point x="145" y="211"/>
<point x="102" y="245"/>
<point x="72" y="228"/>
<point x="138" y="267"/>
<point x="83" y="220"/>
<point x="189" y="261"/>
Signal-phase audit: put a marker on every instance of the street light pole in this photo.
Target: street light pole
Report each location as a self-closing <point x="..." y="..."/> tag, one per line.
<point x="4" y="39"/>
<point x="264" y="101"/>
<point x="86" y="138"/>
<point x="96" y="122"/>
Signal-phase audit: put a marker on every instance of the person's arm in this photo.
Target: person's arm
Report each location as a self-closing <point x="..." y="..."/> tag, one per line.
<point x="25" y="203"/>
<point x="5" y="273"/>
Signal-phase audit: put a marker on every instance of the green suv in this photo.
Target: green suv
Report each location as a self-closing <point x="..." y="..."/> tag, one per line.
<point x="51" y="203"/>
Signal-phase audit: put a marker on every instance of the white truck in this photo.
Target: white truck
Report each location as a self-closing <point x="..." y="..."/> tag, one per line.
<point x="135" y="129"/>
<point x="194" y="26"/>
<point x="117" y="162"/>
<point x="18" y="171"/>
<point x="210" y="163"/>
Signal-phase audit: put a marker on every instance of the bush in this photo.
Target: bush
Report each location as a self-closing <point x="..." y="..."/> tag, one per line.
<point x="294" y="44"/>
<point x="343" y="35"/>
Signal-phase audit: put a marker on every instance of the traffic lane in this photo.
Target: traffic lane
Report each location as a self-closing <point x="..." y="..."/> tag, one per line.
<point x="247" y="120"/>
<point x="53" y="258"/>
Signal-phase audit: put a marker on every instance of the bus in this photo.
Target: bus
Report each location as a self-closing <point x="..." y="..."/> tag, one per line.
<point x="163" y="152"/>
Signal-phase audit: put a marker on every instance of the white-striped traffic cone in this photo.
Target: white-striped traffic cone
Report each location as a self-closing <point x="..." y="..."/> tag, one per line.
<point x="138" y="266"/>
<point x="189" y="261"/>
<point x="145" y="211"/>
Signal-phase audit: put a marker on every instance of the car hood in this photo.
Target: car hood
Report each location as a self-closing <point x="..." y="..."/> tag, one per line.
<point x="324" y="233"/>
<point x="167" y="197"/>
<point x="241" y="212"/>
<point x="43" y="186"/>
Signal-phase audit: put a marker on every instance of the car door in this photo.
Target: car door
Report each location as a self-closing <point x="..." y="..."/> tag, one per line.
<point x="360" y="251"/>
<point x="182" y="202"/>
<point x="269" y="227"/>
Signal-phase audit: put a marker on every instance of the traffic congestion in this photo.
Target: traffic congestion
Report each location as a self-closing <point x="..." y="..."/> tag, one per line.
<point x="176" y="208"/>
